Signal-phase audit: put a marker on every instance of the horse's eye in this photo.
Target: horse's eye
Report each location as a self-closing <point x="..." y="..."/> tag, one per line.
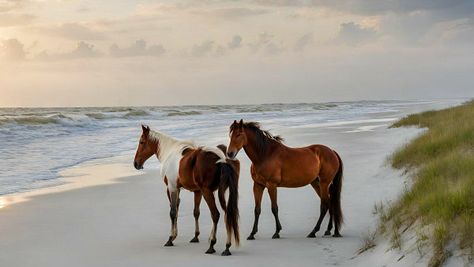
<point x="142" y="143"/>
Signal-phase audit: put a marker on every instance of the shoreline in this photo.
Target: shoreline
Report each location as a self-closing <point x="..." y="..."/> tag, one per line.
<point x="86" y="174"/>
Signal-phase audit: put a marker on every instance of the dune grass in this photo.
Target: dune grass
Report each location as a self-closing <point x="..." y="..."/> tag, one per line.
<point x="441" y="197"/>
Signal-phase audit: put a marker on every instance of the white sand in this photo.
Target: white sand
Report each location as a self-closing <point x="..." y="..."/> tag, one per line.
<point x="125" y="223"/>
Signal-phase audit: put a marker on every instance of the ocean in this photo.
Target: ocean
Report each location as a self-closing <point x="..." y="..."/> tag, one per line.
<point x="36" y="144"/>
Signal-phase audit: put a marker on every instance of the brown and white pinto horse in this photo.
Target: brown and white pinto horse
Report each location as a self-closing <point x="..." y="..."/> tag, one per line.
<point x="201" y="170"/>
<point x="277" y="165"/>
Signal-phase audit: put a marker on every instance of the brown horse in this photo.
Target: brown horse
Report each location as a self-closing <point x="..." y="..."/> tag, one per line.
<point x="201" y="170"/>
<point x="277" y="165"/>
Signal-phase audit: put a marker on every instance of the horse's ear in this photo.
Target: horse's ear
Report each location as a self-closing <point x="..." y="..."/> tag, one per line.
<point x="241" y="122"/>
<point x="235" y="122"/>
<point x="145" y="129"/>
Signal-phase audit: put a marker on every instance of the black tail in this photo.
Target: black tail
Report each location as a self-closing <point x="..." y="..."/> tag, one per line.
<point x="335" y="191"/>
<point x="230" y="179"/>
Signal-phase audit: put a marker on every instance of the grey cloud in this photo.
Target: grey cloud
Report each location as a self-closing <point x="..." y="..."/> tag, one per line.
<point x="235" y="43"/>
<point x="139" y="48"/>
<point x="72" y="31"/>
<point x="303" y="42"/>
<point x="83" y="50"/>
<point x="406" y="20"/>
<point x="203" y="49"/>
<point x="462" y="33"/>
<point x="263" y="39"/>
<point x="353" y="34"/>
<point x="377" y="7"/>
<point x="232" y="12"/>
<point x="265" y="42"/>
<point x="12" y="49"/>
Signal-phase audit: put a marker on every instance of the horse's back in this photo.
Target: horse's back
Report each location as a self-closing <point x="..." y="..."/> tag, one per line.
<point x="300" y="166"/>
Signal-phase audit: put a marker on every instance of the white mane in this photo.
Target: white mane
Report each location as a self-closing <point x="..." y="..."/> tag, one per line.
<point x="168" y="145"/>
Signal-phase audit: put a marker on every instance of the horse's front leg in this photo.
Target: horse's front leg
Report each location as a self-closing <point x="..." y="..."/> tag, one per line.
<point x="210" y="200"/>
<point x="196" y="213"/>
<point x="272" y="191"/>
<point x="257" y="194"/>
<point x="174" y="204"/>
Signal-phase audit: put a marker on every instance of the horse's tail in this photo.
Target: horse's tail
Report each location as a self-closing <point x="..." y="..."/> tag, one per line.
<point x="230" y="179"/>
<point x="335" y="191"/>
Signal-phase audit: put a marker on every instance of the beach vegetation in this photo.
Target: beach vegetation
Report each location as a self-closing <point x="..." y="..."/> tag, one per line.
<point x="440" y="164"/>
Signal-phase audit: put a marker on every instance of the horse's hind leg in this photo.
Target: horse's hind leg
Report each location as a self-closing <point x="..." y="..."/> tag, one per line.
<point x="257" y="194"/>
<point x="272" y="191"/>
<point x="196" y="213"/>
<point x="324" y="194"/>
<point x="315" y="185"/>
<point x="174" y="204"/>
<point x="210" y="200"/>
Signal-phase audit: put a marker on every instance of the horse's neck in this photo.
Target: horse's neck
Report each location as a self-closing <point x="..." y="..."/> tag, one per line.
<point x="253" y="151"/>
<point x="168" y="145"/>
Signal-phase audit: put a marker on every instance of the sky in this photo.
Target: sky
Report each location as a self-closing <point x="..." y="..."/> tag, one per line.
<point x="116" y="53"/>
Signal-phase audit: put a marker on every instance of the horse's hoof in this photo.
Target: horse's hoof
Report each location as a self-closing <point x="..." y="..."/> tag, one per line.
<point x="194" y="240"/>
<point x="211" y="251"/>
<point x="276" y="236"/>
<point x="327" y="233"/>
<point x="226" y="253"/>
<point x="311" y="235"/>
<point x="337" y="235"/>
<point x="169" y="243"/>
<point x="251" y="237"/>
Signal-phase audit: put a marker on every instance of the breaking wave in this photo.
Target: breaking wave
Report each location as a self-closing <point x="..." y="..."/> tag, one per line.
<point x="183" y="113"/>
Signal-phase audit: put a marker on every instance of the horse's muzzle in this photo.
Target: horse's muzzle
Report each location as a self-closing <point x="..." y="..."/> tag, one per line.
<point x="231" y="154"/>
<point x="137" y="166"/>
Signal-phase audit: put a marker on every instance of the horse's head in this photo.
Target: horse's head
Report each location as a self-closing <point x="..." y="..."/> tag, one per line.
<point x="238" y="139"/>
<point x="146" y="148"/>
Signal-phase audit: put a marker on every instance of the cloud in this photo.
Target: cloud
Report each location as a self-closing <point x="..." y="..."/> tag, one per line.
<point x="139" y="48"/>
<point x="352" y="34"/>
<point x="83" y="50"/>
<point x="72" y="31"/>
<point x="84" y="9"/>
<point x="235" y="43"/>
<point x="303" y="42"/>
<point x="377" y="7"/>
<point x="203" y="49"/>
<point x="12" y="49"/>
<point x="8" y="20"/>
<point x="9" y="5"/>
<point x="230" y="12"/>
<point x="265" y="42"/>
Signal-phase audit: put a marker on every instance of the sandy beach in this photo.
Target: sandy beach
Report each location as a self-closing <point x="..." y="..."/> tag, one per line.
<point x="108" y="214"/>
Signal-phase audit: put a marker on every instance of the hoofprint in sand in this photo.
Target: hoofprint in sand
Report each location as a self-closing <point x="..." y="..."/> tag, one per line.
<point x="126" y="223"/>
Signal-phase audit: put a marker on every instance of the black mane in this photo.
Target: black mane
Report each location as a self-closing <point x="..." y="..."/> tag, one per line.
<point x="263" y="138"/>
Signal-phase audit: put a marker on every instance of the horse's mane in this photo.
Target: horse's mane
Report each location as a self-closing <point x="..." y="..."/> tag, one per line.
<point x="263" y="138"/>
<point x="169" y="145"/>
